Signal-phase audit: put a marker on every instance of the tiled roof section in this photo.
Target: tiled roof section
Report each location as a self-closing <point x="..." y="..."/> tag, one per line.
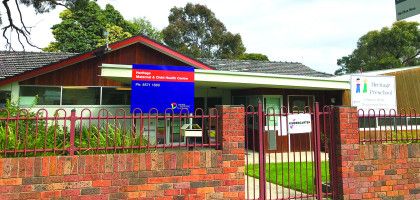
<point x="267" y="67"/>
<point x="16" y="62"/>
<point x="13" y="63"/>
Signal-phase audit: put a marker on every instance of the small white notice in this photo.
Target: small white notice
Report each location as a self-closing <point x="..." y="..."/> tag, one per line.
<point x="292" y="124"/>
<point x="299" y="123"/>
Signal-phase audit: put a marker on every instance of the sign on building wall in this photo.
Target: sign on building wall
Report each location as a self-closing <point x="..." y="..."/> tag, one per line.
<point x="407" y="8"/>
<point x="373" y="92"/>
<point x="162" y="87"/>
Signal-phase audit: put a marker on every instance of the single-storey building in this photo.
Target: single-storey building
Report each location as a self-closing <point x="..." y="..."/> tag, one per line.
<point x="102" y="78"/>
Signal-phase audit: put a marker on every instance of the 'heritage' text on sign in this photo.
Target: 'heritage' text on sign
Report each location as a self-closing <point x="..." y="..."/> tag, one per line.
<point x="373" y="93"/>
<point x="165" y="88"/>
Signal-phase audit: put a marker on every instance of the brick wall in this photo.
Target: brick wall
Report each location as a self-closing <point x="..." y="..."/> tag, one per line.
<point x="374" y="171"/>
<point x="173" y="174"/>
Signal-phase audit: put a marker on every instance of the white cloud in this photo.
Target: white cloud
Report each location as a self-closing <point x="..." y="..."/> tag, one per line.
<point x="314" y="32"/>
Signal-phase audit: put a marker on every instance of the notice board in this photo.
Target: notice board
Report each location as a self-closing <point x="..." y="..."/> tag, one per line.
<point x="162" y="88"/>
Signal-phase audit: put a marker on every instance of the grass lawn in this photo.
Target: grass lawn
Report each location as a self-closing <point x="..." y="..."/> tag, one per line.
<point x="297" y="176"/>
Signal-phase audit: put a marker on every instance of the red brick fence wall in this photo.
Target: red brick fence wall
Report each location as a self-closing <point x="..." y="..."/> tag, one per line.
<point x="173" y="174"/>
<point x="375" y="171"/>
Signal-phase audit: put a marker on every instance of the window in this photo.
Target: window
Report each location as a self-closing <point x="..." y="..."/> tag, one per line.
<point x="300" y="103"/>
<point x="81" y="95"/>
<point x="4" y="96"/>
<point x="70" y="95"/>
<point x="116" y="96"/>
<point x="414" y="121"/>
<point x="367" y="122"/>
<point x="39" y="94"/>
<point x="240" y="100"/>
<point x="212" y="102"/>
<point x="392" y="121"/>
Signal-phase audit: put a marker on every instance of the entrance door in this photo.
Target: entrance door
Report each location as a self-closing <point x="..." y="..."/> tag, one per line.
<point x="275" y="140"/>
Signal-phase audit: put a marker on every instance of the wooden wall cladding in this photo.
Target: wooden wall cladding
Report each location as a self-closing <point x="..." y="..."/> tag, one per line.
<point x="86" y="73"/>
<point x="408" y="89"/>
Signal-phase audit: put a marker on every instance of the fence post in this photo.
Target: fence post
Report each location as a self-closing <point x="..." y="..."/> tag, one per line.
<point x="231" y="133"/>
<point x="72" y="131"/>
<point x="317" y="153"/>
<point x="347" y="152"/>
<point x="261" y="149"/>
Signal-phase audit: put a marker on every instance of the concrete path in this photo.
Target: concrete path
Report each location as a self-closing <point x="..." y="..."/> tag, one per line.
<point x="277" y="191"/>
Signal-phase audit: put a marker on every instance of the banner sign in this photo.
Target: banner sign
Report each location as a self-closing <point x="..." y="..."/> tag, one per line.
<point x="373" y="93"/>
<point x="162" y="87"/>
<point x="407" y="8"/>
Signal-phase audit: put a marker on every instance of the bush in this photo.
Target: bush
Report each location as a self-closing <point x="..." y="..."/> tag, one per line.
<point x="26" y="130"/>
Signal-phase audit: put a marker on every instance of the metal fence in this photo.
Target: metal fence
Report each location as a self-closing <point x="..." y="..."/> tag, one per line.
<point x="283" y="164"/>
<point x="389" y="126"/>
<point x="27" y="133"/>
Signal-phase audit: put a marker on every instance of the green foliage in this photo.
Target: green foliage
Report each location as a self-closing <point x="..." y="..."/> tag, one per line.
<point x="115" y="33"/>
<point x="194" y="30"/>
<point x="83" y="28"/>
<point x="394" y="47"/>
<point x="111" y="135"/>
<point x="42" y="6"/>
<point x="253" y="56"/>
<point x="30" y="133"/>
<point x="142" y="26"/>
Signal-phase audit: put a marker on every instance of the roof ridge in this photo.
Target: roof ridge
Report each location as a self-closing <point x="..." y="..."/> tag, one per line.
<point x="267" y="61"/>
<point x="40" y="52"/>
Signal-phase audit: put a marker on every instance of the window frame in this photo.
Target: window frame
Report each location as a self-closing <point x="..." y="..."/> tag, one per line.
<point x="61" y="96"/>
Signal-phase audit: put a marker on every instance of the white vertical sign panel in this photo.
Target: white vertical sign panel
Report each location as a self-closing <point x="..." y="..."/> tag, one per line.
<point x="373" y="92"/>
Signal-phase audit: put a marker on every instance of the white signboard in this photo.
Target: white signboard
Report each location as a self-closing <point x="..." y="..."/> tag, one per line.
<point x="373" y="92"/>
<point x="294" y="124"/>
<point x="407" y="8"/>
<point x="299" y="123"/>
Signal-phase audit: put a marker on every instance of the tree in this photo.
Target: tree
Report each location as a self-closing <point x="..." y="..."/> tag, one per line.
<point x="115" y="33"/>
<point x="20" y="29"/>
<point x="253" y="56"/>
<point x="82" y="28"/>
<point x="194" y="30"/>
<point x="87" y="27"/>
<point x="394" y="47"/>
<point x="142" y="26"/>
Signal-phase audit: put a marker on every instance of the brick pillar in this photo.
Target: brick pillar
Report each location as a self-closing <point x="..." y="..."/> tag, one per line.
<point x="347" y="148"/>
<point x="232" y="136"/>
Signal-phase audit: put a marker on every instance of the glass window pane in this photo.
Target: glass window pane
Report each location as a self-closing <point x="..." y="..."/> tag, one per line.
<point x="367" y="122"/>
<point x="116" y="96"/>
<point x="4" y="96"/>
<point x="300" y="103"/>
<point x="213" y="101"/>
<point x="414" y="121"/>
<point x="239" y="100"/>
<point x="81" y="95"/>
<point x="46" y="95"/>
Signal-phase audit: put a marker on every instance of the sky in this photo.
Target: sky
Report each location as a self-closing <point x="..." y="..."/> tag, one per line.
<point x="313" y="32"/>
